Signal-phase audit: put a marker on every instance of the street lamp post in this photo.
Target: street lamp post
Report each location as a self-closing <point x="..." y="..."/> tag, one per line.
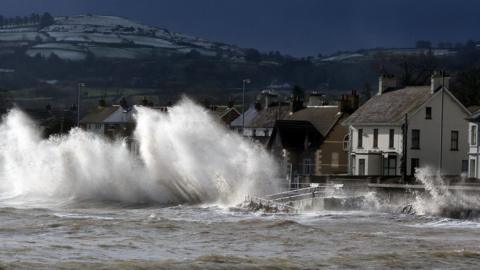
<point x="245" y="82"/>
<point x="79" y="90"/>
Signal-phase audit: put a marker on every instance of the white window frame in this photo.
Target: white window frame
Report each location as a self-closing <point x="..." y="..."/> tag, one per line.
<point x="346" y="143"/>
<point x="472" y="172"/>
<point x="474" y="135"/>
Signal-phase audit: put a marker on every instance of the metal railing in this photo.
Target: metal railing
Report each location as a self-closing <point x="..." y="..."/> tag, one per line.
<point x="283" y="201"/>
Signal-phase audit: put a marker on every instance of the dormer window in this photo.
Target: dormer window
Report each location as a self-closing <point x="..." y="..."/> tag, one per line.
<point x="428" y="113"/>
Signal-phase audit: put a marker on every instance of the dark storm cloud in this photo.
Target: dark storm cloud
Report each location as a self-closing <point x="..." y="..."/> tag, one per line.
<point x="298" y="27"/>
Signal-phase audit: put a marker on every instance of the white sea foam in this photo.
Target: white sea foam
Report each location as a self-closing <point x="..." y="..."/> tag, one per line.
<point x="185" y="156"/>
<point x="439" y="199"/>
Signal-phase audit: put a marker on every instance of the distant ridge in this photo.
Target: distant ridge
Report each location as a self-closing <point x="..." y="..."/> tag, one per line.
<point x="77" y="37"/>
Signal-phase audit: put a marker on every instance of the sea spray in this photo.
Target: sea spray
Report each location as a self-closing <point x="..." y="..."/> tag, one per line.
<point x="440" y="200"/>
<point x="185" y="156"/>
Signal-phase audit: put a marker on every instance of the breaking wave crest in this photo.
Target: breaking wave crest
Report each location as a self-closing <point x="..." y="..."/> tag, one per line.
<point x="185" y="156"/>
<point x="439" y="200"/>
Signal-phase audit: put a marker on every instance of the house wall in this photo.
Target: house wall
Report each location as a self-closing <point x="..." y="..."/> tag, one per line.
<point x="374" y="155"/>
<point x="454" y="119"/>
<point x="332" y="155"/>
<point x="257" y="132"/>
<point x="95" y="128"/>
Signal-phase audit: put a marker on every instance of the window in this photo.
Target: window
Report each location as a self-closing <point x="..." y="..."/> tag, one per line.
<point x="391" y="138"/>
<point x="454" y="141"/>
<point x="428" y="113"/>
<point x="360" y="138"/>
<point x="98" y="126"/>
<point x="390" y="166"/>
<point x="414" y="164"/>
<point x="346" y="143"/>
<point x="464" y="166"/>
<point x="415" y="139"/>
<point x="307" y="166"/>
<point x="361" y="166"/>
<point x="335" y="160"/>
<point x="473" y="135"/>
<point x="472" y="169"/>
<point x="375" y="138"/>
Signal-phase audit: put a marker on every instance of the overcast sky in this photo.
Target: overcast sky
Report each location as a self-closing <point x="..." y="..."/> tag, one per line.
<point x="296" y="27"/>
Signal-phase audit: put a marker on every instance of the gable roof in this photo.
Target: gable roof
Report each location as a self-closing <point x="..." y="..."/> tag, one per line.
<point x="390" y="107"/>
<point x="262" y="119"/>
<point x="99" y="115"/>
<point x="229" y="115"/>
<point x="266" y="118"/>
<point x="250" y="114"/>
<point x="323" y="118"/>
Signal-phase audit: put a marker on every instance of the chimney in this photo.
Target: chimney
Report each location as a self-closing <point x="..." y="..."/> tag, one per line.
<point x="230" y="104"/>
<point x="269" y="98"/>
<point x="349" y="103"/>
<point x="439" y="80"/>
<point x="102" y="103"/>
<point x="343" y="104"/>
<point x="355" y="101"/>
<point x="386" y="82"/>
<point x="316" y="99"/>
<point x="124" y="104"/>
<point x="296" y="105"/>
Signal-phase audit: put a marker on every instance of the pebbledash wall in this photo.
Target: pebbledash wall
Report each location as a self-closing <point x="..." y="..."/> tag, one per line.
<point x="436" y="147"/>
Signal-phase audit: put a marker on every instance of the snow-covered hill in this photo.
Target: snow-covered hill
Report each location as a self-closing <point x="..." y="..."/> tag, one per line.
<point x="75" y="37"/>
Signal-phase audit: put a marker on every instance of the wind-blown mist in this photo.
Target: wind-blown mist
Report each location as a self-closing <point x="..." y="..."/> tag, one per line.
<point x="185" y="156"/>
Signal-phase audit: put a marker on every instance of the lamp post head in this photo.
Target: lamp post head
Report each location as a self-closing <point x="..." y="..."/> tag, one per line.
<point x="247" y="81"/>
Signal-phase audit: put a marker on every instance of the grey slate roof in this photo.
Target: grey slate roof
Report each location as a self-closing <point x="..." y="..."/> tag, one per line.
<point x="475" y="117"/>
<point x="390" y="107"/>
<point x="262" y="119"/>
<point x="250" y="114"/>
<point x="322" y="118"/>
<point x="99" y="115"/>
<point x="266" y="118"/>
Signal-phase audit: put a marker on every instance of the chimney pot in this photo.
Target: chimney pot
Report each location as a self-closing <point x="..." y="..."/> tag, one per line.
<point x="385" y="82"/>
<point x="439" y="80"/>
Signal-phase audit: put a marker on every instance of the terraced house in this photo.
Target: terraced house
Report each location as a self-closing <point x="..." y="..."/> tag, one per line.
<point x="401" y="129"/>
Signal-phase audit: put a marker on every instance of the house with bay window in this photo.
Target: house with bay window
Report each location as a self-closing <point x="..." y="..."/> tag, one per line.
<point x="403" y="128"/>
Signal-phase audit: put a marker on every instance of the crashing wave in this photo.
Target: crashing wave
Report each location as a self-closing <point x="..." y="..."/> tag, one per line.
<point x="185" y="156"/>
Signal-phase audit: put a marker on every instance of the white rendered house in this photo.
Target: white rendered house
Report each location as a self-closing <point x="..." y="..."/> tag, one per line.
<point x="399" y="130"/>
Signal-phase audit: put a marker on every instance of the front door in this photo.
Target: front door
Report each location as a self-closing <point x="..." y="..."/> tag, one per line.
<point x="472" y="168"/>
<point x="361" y="166"/>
